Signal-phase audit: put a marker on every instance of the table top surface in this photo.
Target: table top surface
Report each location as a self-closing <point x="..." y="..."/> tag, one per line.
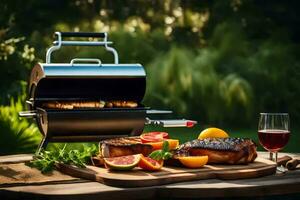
<point x="277" y="184"/>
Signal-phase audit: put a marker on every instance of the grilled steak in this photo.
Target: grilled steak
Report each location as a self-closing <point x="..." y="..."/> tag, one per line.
<point x="123" y="147"/>
<point x="220" y="150"/>
<point x="120" y="147"/>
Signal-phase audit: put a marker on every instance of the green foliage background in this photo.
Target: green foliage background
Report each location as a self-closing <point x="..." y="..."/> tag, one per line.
<point x="218" y="62"/>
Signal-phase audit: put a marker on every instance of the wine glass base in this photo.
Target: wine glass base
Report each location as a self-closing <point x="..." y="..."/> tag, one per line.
<point x="281" y="169"/>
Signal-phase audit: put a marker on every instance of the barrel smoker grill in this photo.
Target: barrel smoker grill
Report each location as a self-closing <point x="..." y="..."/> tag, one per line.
<point x="89" y="80"/>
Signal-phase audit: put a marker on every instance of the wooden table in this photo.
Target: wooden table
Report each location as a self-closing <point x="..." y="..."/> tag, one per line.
<point x="278" y="184"/>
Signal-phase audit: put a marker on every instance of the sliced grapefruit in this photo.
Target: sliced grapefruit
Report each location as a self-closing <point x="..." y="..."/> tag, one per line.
<point x="122" y="162"/>
<point x="193" y="161"/>
<point x="213" y="133"/>
<point x="154" y="137"/>
<point x="150" y="164"/>
<point x="173" y="144"/>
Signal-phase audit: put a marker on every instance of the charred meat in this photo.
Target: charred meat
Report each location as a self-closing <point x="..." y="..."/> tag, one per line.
<point x="120" y="147"/>
<point x="69" y="105"/>
<point x="73" y="104"/>
<point x="121" y="104"/>
<point x="123" y="147"/>
<point x="220" y="150"/>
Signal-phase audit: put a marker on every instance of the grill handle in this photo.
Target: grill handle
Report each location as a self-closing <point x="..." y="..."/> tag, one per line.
<point x="59" y="43"/>
<point x="83" y="34"/>
<point x="85" y="60"/>
<point x="172" y="123"/>
<point x="28" y="114"/>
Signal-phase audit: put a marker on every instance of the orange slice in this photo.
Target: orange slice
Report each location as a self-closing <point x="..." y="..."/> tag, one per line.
<point x="213" y="133"/>
<point x="149" y="164"/>
<point x="193" y="161"/>
<point x="173" y="144"/>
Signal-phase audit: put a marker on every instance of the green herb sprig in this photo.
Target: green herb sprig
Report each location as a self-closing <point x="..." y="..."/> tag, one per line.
<point x="163" y="154"/>
<point x="45" y="161"/>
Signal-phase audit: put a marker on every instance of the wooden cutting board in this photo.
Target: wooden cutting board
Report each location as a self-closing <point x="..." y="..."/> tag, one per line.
<point x="15" y="174"/>
<point x="139" y="178"/>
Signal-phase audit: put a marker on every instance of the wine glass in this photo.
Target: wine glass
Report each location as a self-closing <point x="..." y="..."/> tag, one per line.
<point x="273" y="132"/>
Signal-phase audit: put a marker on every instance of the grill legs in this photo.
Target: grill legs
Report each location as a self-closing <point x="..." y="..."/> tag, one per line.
<point x="42" y="145"/>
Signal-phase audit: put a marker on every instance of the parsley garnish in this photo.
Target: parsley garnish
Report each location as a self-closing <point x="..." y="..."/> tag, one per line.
<point x="45" y="161"/>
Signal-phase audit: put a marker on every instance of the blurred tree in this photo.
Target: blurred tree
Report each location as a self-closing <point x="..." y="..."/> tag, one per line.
<point x="190" y="85"/>
<point x="226" y="55"/>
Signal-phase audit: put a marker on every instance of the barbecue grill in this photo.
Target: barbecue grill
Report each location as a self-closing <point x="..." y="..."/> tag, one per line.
<point x="88" y="79"/>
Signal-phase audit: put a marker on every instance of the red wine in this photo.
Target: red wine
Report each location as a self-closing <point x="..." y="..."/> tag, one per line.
<point x="273" y="140"/>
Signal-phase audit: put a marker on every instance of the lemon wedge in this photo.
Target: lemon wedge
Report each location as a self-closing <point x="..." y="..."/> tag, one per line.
<point x="213" y="133"/>
<point x="193" y="161"/>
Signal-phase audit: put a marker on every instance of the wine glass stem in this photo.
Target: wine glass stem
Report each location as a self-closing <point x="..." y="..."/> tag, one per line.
<point x="276" y="156"/>
<point x="271" y="156"/>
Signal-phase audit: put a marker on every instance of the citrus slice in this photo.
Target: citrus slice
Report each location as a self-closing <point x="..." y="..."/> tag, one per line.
<point x="122" y="162"/>
<point x="150" y="164"/>
<point x="213" y="133"/>
<point x="193" y="161"/>
<point x="173" y="144"/>
<point x="154" y="137"/>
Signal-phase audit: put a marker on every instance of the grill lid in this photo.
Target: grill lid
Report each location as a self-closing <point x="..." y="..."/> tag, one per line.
<point x="86" y="79"/>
